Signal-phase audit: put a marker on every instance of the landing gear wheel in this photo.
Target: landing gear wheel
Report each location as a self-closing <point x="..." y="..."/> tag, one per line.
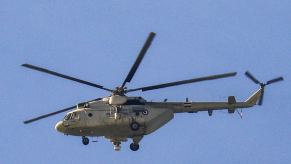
<point x="117" y="146"/>
<point x="134" y="146"/>
<point x="134" y="126"/>
<point x="85" y="140"/>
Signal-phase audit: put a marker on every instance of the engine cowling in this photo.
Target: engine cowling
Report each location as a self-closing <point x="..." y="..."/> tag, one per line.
<point x="117" y="100"/>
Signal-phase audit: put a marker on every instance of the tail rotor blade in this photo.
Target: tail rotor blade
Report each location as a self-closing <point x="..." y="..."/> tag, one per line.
<point x="275" y="80"/>
<point x="262" y="85"/>
<point x="249" y="75"/>
<point x="262" y="97"/>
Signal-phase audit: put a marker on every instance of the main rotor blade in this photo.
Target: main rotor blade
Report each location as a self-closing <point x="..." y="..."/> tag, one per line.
<point x="64" y="76"/>
<point x="139" y="58"/>
<point x="248" y="74"/>
<point x="183" y="82"/>
<point x="275" y="80"/>
<point x="47" y="115"/>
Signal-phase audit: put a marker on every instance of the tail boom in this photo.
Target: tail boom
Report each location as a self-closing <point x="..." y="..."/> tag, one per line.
<point x="193" y="107"/>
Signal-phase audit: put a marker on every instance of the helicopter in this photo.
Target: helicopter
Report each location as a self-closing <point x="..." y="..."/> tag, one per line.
<point x="118" y="117"/>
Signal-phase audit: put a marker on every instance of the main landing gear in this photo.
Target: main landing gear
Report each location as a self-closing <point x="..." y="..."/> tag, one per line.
<point x="117" y="146"/>
<point x="85" y="140"/>
<point x="134" y="146"/>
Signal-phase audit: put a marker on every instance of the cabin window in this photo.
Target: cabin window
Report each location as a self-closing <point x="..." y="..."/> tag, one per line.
<point x="90" y="114"/>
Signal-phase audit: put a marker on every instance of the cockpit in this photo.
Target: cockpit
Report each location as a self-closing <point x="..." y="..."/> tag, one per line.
<point x="71" y="116"/>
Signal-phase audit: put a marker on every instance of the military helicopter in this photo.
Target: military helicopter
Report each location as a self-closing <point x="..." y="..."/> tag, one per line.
<point x="118" y="117"/>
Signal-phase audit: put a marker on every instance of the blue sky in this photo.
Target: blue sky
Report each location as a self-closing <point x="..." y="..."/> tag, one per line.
<point x="98" y="41"/>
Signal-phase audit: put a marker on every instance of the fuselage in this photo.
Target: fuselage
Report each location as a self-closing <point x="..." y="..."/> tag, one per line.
<point x="99" y="118"/>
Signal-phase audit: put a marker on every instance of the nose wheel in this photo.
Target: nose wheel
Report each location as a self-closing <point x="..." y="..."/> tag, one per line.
<point x="85" y="140"/>
<point x="117" y="146"/>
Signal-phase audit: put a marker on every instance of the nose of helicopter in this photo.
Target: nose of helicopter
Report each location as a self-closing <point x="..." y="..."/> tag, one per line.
<point x="60" y="127"/>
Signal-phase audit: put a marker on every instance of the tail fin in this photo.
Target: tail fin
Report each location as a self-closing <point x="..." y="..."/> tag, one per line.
<point x="253" y="99"/>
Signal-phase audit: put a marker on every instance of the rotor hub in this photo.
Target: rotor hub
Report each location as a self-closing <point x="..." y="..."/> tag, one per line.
<point x="119" y="91"/>
<point x="262" y="85"/>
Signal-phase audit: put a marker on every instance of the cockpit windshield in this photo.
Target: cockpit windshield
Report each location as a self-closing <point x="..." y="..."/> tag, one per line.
<point x="71" y="116"/>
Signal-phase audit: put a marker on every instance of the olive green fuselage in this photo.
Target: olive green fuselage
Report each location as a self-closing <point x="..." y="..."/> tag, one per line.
<point x="101" y="119"/>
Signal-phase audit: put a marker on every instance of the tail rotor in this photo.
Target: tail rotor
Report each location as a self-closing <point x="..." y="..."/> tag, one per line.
<point x="262" y="85"/>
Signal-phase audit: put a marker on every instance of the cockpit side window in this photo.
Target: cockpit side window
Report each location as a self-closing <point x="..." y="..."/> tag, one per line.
<point x="72" y="116"/>
<point x="75" y="115"/>
<point x="67" y="117"/>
